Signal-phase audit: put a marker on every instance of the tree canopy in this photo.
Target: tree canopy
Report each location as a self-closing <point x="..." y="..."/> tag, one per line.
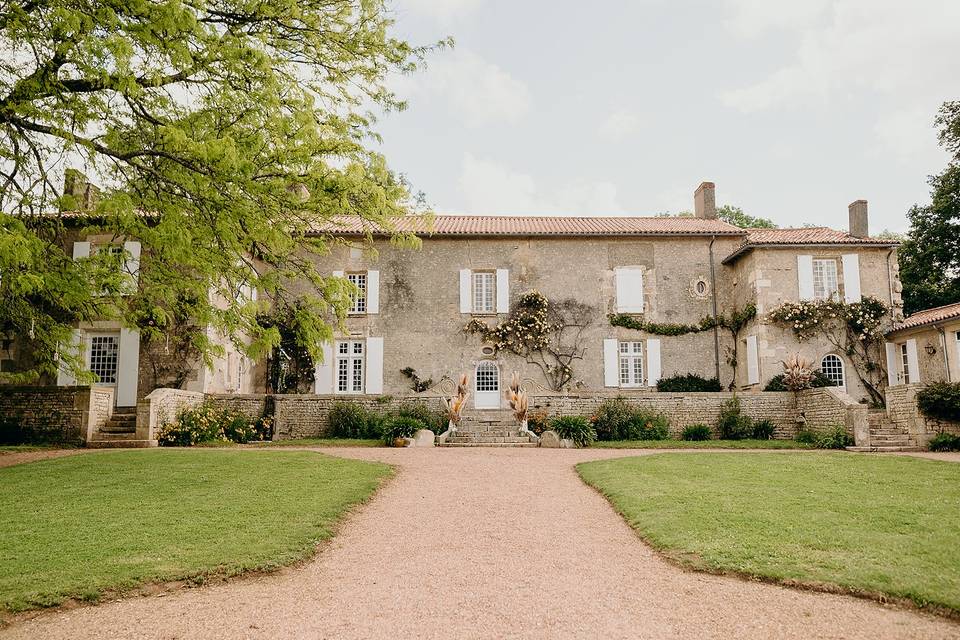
<point x="221" y="131"/>
<point x="930" y="256"/>
<point x="736" y="217"/>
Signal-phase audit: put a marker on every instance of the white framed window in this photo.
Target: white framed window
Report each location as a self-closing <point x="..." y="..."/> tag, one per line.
<point x="358" y="301"/>
<point x="350" y="364"/>
<point x="825" y="284"/>
<point x="832" y="366"/>
<point x="631" y="363"/>
<point x="103" y="356"/>
<point x="484" y="291"/>
<point x="906" y="374"/>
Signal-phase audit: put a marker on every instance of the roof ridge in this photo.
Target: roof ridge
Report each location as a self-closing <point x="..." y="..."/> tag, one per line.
<point x="943" y="306"/>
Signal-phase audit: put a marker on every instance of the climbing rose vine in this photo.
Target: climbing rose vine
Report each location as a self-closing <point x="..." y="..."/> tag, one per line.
<point x="863" y="319"/>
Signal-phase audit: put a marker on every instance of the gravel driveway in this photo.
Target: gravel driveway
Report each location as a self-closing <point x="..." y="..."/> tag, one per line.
<point x="485" y="543"/>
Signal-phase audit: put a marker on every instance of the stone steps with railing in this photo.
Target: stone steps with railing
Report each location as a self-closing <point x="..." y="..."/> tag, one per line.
<point x="119" y="431"/>
<point x="488" y="428"/>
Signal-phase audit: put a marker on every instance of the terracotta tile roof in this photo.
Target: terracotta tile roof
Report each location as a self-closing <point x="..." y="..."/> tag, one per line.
<point x="450" y="225"/>
<point x="929" y="316"/>
<point x="803" y="236"/>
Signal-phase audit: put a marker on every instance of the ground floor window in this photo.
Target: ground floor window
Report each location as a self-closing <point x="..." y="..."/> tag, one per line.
<point x="631" y="364"/>
<point x="905" y="363"/>
<point x="104" y="357"/>
<point x="350" y="366"/>
<point x="832" y="367"/>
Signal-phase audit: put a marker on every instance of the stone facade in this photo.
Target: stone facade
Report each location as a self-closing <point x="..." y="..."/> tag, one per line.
<point x="67" y="415"/>
<point x="902" y="410"/>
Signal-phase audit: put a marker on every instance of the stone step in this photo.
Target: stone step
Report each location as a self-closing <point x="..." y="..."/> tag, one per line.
<point x="488" y="432"/>
<point x="489" y="444"/>
<point x="887" y="432"/>
<point x="121" y="444"/>
<point x="456" y="439"/>
<point x="113" y="435"/>
<point x="112" y="427"/>
<point x="889" y="442"/>
<point x="885" y="449"/>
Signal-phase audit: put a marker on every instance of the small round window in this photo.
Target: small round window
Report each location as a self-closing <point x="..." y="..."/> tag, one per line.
<point x="487" y="351"/>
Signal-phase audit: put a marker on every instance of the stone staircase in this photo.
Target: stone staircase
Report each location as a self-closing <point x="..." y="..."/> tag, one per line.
<point x="885" y="435"/>
<point x="489" y="428"/>
<point x="120" y="431"/>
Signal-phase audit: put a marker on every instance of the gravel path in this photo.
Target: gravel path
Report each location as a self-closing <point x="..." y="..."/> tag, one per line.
<point x="10" y="458"/>
<point x="481" y="543"/>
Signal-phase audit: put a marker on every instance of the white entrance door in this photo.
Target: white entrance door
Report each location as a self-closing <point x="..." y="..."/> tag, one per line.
<point x="486" y="386"/>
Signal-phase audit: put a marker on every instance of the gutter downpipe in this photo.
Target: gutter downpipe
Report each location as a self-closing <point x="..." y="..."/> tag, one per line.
<point x="716" y="329"/>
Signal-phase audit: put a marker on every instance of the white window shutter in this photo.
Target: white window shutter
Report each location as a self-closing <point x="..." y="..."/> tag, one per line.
<point x="465" y="303"/>
<point x="323" y="372"/>
<point x="132" y="266"/>
<point x="503" y="290"/>
<point x="753" y="361"/>
<point x="64" y="377"/>
<point x="373" y="292"/>
<point x="611" y="363"/>
<point x="851" y="277"/>
<point x="128" y="367"/>
<point x="629" y="285"/>
<point x="653" y="362"/>
<point x="891" y="364"/>
<point x="805" y="276"/>
<point x="81" y="250"/>
<point x="912" y="361"/>
<point x="374" y="365"/>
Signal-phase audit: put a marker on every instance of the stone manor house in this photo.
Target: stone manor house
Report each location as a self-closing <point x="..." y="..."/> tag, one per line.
<point x="415" y="303"/>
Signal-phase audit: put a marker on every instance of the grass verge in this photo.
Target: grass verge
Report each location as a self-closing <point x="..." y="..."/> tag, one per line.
<point x="323" y="442"/>
<point x="80" y="526"/>
<point x="700" y="444"/>
<point x="866" y="525"/>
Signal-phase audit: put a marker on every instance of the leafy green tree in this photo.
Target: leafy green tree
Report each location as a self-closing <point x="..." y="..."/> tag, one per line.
<point x="238" y="127"/>
<point x="930" y="256"/>
<point x="736" y="217"/>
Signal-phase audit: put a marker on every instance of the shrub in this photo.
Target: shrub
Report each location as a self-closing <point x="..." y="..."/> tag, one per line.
<point x="209" y="423"/>
<point x="940" y="401"/>
<point x="688" y="382"/>
<point x="611" y="419"/>
<point x="763" y="429"/>
<point x="433" y="419"/>
<point x="574" y="428"/>
<point x="836" y="438"/>
<point x="945" y="442"/>
<point x="819" y="380"/>
<point x="805" y="436"/>
<point x="697" y="432"/>
<point x="644" y="425"/>
<point x="401" y="427"/>
<point x="348" y="420"/>
<point x="732" y="424"/>
<point x="538" y="422"/>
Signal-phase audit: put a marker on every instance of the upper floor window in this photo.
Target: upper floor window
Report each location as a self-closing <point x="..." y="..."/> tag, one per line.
<point x="484" y="286"/>
<point x="832" y="366"/>
<point x="358" y="301"/>
<point x="825" y="286"/>
<point x="631" y="364"/>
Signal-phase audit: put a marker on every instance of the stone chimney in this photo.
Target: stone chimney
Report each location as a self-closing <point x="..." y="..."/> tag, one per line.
<point x="859" y="227"/>
<point x="76" y="184"/>
<point x="705" y="201"/>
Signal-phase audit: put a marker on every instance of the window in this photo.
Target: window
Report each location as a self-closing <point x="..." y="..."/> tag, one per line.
<point x="631" y="364"/>
<point x="358" y="302"/>
<point x="905" y="363"/>
<point x="350" y="364"/>
<point x="488" y="377"/>
<point x="825" y="279"/>
<point x="484" y="294"/>
<point x="832" y="367"/>
<point x="104" y="356"/>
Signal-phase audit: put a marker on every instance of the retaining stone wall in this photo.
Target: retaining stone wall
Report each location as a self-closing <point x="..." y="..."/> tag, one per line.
<point x="902" y="410"/>
<point x="160" y="406"/>
<point x="53" y="414"/>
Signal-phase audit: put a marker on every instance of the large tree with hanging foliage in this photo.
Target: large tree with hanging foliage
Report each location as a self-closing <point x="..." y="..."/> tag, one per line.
<point x="221" y="133"/>
<point x="930" y="256"/>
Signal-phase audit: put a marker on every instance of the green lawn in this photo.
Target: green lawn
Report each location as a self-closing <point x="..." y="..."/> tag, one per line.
<point x="868" y="524"/>
<point x="700" y="444"/>
<point x="77" y="526"/>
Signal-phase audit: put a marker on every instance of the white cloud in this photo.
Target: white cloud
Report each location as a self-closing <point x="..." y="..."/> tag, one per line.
<point x="753" y="17"/>
<point x="907" y="133"/>
<point x="443" y="11"/>
<point x="619" y="124"/>
<point x="490" y="188"/>
<point x="479" y="91"/>
<point x="883" y="46"/>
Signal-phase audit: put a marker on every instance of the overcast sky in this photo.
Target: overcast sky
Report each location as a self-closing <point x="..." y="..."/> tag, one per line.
<point x="794" y="108"/>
